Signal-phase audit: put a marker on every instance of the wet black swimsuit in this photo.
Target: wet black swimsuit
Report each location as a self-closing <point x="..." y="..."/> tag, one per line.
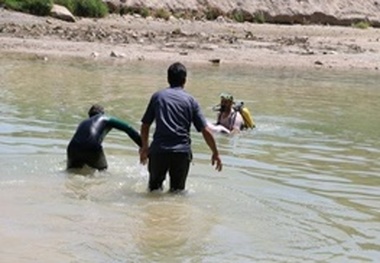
<point x="86" y="145"/>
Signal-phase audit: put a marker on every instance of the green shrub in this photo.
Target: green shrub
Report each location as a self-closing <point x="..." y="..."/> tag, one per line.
<point x="238" y="16"/>
<point x="188" y="14"/>
<point x="259" y="18"/>
<point x="143" y="11"/>
<point x="213" y="13"/>
<point x="35" y="7"/>
<point x="162" y="13"/>
<point x="13" y="4"/>
<point x="85" y="8"/>
<point x="90" y="8"/>
<point x="361" y="24"/>
<point x="40" y="7"/>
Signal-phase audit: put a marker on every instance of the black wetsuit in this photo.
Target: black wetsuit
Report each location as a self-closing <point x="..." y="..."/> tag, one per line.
<point x="86" y="145"/>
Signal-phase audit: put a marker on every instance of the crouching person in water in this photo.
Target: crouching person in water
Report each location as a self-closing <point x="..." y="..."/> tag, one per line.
<point x="229" y="120"/>
<point x="86" y="145"/>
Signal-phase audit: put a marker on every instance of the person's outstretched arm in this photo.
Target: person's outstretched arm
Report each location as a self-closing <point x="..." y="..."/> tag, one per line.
<point x="209" y="138"/>
<point x="144" y="150"/>
<point x="128" y="129"/>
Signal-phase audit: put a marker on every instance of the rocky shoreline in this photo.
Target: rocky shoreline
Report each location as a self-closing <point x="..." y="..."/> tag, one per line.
<point x="131" y="37"/>
<point x="306" y="12"/>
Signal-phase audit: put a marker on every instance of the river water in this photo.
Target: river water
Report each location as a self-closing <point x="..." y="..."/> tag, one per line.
<point x="304" y="186"/>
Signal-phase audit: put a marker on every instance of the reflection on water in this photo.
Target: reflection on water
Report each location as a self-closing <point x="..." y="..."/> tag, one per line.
<point x="303" y="186"/>
<point x="170" y="230"/>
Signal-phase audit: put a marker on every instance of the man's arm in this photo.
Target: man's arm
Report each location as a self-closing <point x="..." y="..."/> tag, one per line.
<point x="124" y="126"/>
<point x="209" y="138"/>
<point x="144" y="150"/>
<point x="218" y="128"/>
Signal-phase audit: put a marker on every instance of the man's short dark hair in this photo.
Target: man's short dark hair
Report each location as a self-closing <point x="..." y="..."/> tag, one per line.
<point x="177" y="75"/>
<point x="95" y="109"/>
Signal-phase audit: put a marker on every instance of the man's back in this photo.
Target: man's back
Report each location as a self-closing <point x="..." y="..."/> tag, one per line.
<point x="174" y="110"/>
<point x="85" y="148"/>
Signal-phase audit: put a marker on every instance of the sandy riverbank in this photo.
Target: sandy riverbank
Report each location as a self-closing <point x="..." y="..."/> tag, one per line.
<point x="133" y="38"/>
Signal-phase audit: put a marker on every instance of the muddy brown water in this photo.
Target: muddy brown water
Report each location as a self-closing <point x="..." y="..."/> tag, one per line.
<point x="304" y="186"/>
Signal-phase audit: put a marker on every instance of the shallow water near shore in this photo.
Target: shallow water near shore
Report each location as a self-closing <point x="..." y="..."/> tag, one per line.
<point x="304" y="186"/>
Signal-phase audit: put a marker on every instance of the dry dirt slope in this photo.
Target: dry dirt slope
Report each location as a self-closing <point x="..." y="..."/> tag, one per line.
<point x="333" y="12"/>
<point x="136" y="38"/>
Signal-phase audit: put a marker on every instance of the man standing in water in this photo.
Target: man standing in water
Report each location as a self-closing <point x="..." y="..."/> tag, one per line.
<point x="173" y="110"/>
<point x="86" y="145"/>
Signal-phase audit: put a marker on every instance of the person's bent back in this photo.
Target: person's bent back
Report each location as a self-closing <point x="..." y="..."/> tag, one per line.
<point x="85" y="148"/>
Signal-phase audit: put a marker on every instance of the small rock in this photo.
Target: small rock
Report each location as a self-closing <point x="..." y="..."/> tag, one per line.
<point x="189" y="45"/>
<point x="44" y="58"/>
<point x="116" y="54"/>
<point x="170" y="45"/>
<point x="172" y="18"/>
<point x="209" y="47"/>
<point x="308" y="52"/>
<point x="329" y="52"/>
<point x="61" y="12"/>
<point x="203" y="34"/>
<point x="94" y="54"/>
<point x="249" y="35"/>
<point x="215" y="61"/>
<point x="220" y="19"/>
<point x="318" y="63"/>
<point x="135" y="34"/>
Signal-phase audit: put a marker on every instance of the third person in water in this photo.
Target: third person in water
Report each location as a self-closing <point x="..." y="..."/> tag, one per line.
<point x="228" y="117"/>
<point x="232" y="116"/>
